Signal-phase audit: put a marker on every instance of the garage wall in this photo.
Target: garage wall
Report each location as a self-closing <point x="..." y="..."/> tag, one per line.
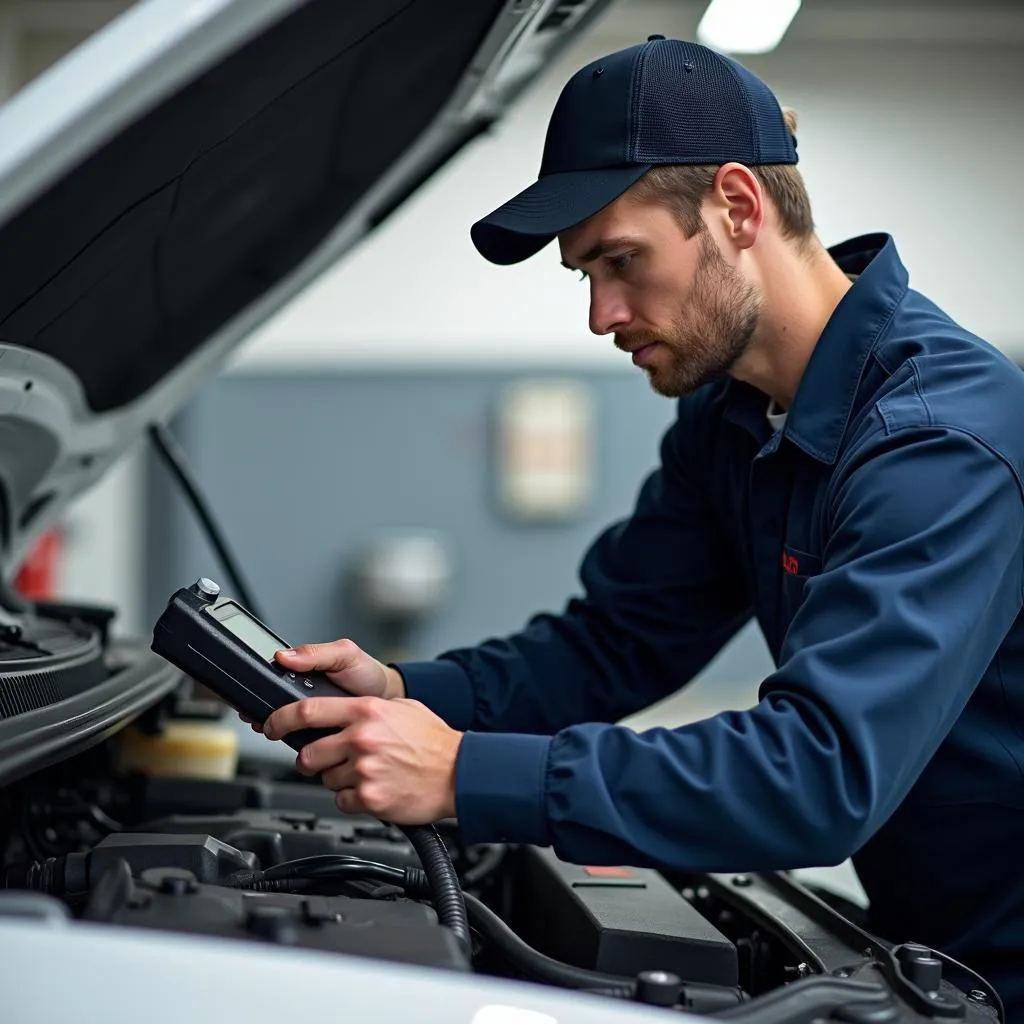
<point x="309" y="470"/>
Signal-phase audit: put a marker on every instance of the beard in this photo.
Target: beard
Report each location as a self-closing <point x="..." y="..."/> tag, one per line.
<point x="705" y="342"/>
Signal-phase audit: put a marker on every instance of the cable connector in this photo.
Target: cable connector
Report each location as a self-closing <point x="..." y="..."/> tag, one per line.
<point x="415" y="883"/>
<point x="56" y="876"/>
<point x="244" y="879"/>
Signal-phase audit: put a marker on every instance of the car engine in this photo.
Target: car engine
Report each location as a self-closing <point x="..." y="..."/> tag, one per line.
<point x="265" y="857"/>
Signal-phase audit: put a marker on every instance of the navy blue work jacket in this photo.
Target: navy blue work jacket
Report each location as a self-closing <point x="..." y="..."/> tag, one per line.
<point x="878" y="539"/>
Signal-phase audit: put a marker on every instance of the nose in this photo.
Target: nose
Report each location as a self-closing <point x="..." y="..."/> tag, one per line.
<point x="608" y="311"/>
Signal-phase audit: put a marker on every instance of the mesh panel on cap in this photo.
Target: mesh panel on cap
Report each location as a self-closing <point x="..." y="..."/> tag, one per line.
<point x="697" y="116"/>
<point x="775" y="144"/>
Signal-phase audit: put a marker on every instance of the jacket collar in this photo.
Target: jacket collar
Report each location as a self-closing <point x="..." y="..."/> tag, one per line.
<point x="821" y="410"/>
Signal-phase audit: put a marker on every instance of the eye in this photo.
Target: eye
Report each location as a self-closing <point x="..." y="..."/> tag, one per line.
<point x="622" y="262"/>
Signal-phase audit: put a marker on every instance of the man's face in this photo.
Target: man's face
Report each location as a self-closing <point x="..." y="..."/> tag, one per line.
<point x="673" y="302"/>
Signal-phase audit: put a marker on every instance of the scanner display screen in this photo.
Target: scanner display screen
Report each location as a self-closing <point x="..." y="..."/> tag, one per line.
<point x="248" y="630"/>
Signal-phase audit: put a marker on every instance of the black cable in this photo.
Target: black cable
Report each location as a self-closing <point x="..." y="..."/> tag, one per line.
<point x="491" y="859"/>
<point x="174" y="458"/>
<point x="698" y="998"/>
<point x="436" y="880"/>
<point x="328" y="866"/>
<point x="532" y="962"/>
<point x="411" y="880"/>
<point x="300" y="867"/>
<point x="446" y="893"/>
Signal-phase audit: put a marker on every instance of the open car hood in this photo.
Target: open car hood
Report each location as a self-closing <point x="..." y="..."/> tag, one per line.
<point x="177" y="178"/>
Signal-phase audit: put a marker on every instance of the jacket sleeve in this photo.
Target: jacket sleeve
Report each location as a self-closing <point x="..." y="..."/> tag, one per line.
<point x="921" y="581"/>
<point x="658" y="603"/>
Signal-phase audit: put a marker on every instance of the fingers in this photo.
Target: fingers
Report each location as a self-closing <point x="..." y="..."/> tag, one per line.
<point x="341" y="776"/>
<point x="324" y="753"/>
<point x="333" y="657"/>
<point x="348" y="802"/>
<point x="318" y="713"/>
<point x="355" y="795"/>
<point x="344" y="780"/>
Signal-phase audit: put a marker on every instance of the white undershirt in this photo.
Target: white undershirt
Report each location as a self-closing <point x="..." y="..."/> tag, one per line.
<point x="776" y="417"/>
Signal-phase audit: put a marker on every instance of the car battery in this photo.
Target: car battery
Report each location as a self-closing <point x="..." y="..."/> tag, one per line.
<point x="617" y="920"/>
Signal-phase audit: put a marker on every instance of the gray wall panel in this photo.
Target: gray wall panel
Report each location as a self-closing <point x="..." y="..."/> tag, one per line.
<point x="303" y="470"/>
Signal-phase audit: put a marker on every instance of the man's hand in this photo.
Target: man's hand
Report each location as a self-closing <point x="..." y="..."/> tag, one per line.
<point x="394" y="759"/>
<point x="347" y="666"/>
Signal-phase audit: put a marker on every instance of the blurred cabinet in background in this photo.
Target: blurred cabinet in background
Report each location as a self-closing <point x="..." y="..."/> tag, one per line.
<point x="545" y="457"/>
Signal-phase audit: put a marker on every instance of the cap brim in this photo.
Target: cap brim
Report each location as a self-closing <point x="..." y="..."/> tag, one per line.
<point x="552" y="204"/>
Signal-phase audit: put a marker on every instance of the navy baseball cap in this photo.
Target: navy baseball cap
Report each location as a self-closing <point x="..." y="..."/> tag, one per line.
<point x="664" y="101"/>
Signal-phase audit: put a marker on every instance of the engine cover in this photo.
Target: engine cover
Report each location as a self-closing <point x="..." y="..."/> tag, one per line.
<point x="171" y="899"/>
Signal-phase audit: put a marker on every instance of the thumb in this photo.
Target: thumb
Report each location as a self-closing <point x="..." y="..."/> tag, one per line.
<point x="337" y="656"/>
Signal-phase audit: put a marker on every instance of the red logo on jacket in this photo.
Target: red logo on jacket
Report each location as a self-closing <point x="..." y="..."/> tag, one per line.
<point x="790" y="564"/>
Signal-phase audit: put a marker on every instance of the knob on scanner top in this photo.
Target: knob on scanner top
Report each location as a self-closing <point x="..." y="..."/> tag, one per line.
<point x="206" y="588"/>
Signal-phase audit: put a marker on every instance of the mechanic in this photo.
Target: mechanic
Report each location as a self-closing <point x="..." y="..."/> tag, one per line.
<point x="845" y="465"/>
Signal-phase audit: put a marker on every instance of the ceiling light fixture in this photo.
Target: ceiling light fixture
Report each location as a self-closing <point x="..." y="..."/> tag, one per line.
<point x="746" y="26"/>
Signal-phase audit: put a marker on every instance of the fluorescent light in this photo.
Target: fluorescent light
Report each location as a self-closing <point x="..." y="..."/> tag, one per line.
<point x="746" y="26"/>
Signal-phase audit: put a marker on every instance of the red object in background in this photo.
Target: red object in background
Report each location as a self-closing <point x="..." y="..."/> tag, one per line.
<point x="37" y="577"/>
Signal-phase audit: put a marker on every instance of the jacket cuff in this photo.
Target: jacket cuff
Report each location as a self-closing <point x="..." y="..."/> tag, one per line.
<point x="443" y="687"/>
<point x="500" y="788"/>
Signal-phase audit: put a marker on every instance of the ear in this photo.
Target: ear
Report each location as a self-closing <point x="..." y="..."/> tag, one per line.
<point x="740" y="202"/>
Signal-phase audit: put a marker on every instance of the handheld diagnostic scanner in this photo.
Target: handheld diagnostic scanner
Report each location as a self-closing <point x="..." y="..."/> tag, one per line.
<point x="218" y="643"/>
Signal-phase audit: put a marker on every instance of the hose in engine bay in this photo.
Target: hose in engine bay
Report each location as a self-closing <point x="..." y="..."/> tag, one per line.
<point x="446" y="892"/>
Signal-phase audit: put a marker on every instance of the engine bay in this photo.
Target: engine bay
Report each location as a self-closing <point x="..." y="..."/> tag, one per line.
<point x="265" y="857"/>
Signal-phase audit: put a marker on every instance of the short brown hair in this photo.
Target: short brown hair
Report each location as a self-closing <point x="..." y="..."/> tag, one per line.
<point x="682" y="188"/>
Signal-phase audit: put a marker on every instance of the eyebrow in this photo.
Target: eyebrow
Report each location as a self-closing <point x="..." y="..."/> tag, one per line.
<point x="606" y="245"/>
